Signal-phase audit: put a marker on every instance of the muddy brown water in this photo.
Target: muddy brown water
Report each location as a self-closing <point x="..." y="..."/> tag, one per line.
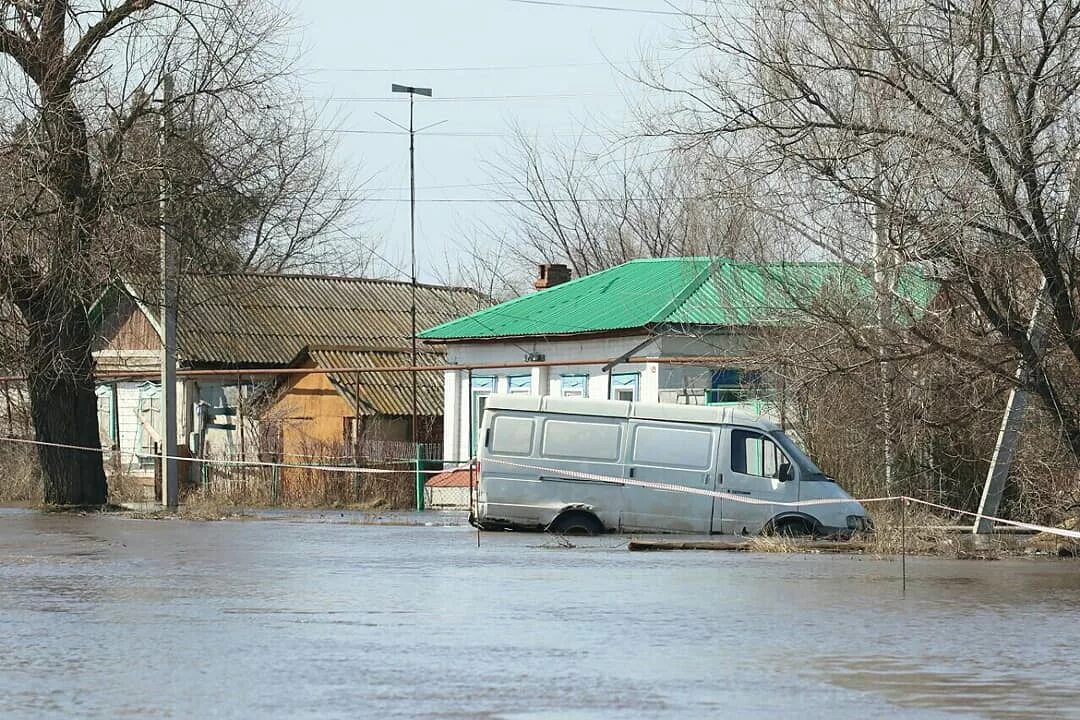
<point x="332" y="616"/>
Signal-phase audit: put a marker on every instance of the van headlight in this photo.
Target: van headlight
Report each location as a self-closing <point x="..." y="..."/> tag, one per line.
<point x="858" y="522"/>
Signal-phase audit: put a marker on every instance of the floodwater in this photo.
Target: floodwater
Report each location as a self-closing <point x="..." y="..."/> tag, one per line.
<point x="322" y="616"/>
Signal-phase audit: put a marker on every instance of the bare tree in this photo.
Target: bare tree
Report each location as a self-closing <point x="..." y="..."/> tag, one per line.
<point x="952" y="125"/>
<point x="80" y="84"/>
<point x="594" y="212"/>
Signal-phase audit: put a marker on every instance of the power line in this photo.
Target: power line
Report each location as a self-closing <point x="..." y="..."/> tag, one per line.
<point x="604" y="8"/>
<point x="519" y="201"/>
<point x="468" y="98"/>
<point x="458" y="134"/>
<point x="469" y="68"/>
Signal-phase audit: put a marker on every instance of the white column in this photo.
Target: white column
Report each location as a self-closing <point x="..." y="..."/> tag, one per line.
<point x="540" y="381"/>
<point x="464" y="431"/>
<point x="650" y="382"/>
<point x="452" y="408"/>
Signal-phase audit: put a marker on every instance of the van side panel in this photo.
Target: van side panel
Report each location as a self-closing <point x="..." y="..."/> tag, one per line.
<point x="526" y="483"/>
<point x="675" y="454"/>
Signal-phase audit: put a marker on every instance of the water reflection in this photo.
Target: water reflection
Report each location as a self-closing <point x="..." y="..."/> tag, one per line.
<point x="984" y="688"/>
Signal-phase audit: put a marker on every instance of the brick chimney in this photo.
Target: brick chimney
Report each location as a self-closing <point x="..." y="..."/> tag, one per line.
<point x="551" y="275"/>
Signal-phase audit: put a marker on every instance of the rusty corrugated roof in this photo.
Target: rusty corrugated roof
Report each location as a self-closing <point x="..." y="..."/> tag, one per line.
<point x="387" y="393"/>
<point x="459" y="477"/>
<point x="252" y="320"/>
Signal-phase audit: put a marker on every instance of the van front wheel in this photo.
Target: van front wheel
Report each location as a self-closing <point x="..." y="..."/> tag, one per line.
<point x="576" y="523"/>
<point x="796" y="527"/>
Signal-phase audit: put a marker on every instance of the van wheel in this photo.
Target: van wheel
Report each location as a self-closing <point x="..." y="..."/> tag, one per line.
<point x="794" y="528"/>
<point x="576" y="523"/>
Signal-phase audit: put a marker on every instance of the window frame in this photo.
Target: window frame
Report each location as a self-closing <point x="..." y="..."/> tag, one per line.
<point x="584" y="377"/>
<point x="749" y="433"/>
<point x="475" y="393"/>
<point x="634" y="385"/>
<point x="511" y="390"/>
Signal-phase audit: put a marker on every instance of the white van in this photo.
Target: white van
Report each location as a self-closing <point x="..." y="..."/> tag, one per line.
<point x="592" y="466"/>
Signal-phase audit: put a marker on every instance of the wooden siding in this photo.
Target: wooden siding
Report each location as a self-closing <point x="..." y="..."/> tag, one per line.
<point x="128" y="328"/>
<point x="313" y="416"/>
<point x="311" y="412"/>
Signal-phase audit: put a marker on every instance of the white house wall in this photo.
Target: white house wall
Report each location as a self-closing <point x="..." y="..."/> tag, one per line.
<point x="545" y="380"/>
<point x="658" y="382"/>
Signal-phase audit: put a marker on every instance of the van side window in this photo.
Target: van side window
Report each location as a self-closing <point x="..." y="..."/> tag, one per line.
<point x="672" y="447"/>
<point x="581" y="440"/>
<point x="755" y="454"/>
<point x="512" y="435"/>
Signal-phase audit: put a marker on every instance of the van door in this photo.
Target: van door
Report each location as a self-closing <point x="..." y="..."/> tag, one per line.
<point x="674" y="454"/>
<point x="751" y="462"/>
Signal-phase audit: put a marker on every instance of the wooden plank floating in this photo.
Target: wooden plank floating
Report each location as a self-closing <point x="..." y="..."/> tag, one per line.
<point x="744" y="546"/>
<point x="641" y="545"/>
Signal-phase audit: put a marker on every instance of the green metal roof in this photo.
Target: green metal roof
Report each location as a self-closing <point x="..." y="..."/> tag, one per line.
<point x="690" y="291"/>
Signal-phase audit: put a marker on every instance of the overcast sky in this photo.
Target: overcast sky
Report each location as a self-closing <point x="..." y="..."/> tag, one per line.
<point x="491" y="63"/>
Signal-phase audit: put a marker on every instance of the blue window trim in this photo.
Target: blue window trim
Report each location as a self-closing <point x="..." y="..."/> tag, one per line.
<point x="524" y="383"/>
<point x="577" y="381"/>
<point x="481" y="386"/>
<point x="626" y="381"/>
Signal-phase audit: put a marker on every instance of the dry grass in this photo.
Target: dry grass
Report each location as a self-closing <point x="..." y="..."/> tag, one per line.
<point x="775" y="544"/>
<point x="125" y="487"/>
<point x="198" y="505"/>
<point x="919" y="533"/>
<point x="302" y="488"/>
<point x="925" y="532"/>
<point x="20" y="479"/>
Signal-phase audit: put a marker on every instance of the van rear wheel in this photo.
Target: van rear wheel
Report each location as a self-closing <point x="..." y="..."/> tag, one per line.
<point x="577" y="523"/>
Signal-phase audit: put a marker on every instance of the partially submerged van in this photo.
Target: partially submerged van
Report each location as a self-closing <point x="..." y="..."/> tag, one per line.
<point x="592" y="466"/>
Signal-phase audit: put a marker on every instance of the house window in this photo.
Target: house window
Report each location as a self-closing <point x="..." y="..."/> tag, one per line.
<point x="729" y="385"/>
<point x="575" y="386"/>
<point x="481" y="388"/>
<point x="149" y="424"/>
<point x="624" y="386"/>
<point x="106" y="426"/>
<point x="519" y="384"/>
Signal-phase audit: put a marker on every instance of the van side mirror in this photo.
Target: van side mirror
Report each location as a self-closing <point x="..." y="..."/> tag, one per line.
<point x="784" y="472"/>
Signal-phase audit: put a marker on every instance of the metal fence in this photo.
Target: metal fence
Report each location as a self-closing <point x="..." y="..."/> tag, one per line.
<point x="314" y="480"/>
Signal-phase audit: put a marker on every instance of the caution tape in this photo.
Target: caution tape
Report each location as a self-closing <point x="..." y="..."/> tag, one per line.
<point x="669" y="487"/>
<point x="1075" y="535"/>
<point x="249" y="463"/>
<point x="610" y="479"/>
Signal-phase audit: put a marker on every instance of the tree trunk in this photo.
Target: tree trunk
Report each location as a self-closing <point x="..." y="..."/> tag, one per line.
<point x="63" y="405"/>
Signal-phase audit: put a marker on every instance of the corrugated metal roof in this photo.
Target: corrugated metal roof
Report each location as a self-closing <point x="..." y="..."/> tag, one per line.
<point x="691" y="291"/>
<point x="460" y="477"/>
<point x="266" y="320"/>
<point x="387" y="393"/>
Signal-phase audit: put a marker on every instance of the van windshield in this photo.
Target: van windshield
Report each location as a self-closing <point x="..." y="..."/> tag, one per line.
<point x="796" y="454"/>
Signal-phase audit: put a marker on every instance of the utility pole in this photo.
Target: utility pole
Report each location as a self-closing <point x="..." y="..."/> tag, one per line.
<point x="1008" y="434"/>
<point x="412" y="92"/>
<point x="170" y="491"/>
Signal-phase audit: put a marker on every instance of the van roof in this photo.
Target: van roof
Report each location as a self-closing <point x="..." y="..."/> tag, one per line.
<point x="622" y="409"/>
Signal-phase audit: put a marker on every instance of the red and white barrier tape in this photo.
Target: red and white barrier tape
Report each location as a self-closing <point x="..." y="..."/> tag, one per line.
<point x="1075" y="535"/>
<point x="668" y="487"/>
<point x="250" y="463"/>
